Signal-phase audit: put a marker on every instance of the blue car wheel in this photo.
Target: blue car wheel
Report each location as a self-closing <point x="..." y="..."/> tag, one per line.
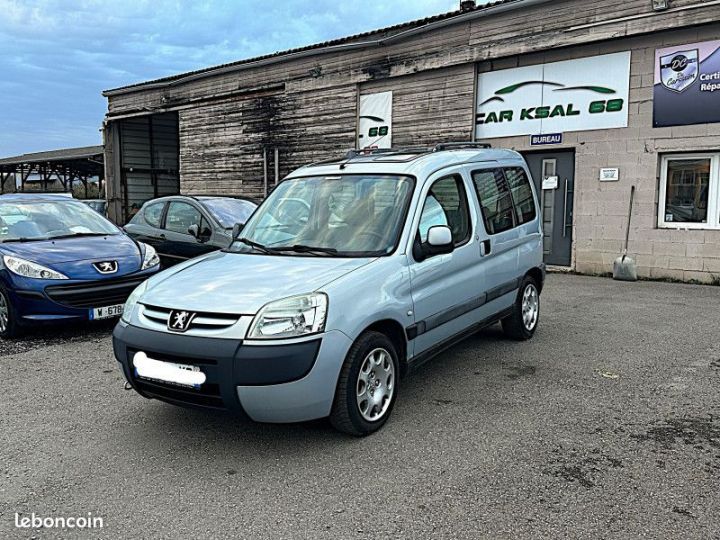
<point x="8" y="322"/>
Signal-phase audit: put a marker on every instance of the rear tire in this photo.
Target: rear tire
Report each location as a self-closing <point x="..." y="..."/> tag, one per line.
<point x="367" y="386"/>
<point x="9" y="326"/>
<point x="523" y="322"/>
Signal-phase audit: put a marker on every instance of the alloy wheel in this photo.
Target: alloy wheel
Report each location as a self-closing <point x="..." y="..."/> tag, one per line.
<point x="375" y="384"/>
<point x="4" y="313"/>
<point x="530" y="307"/>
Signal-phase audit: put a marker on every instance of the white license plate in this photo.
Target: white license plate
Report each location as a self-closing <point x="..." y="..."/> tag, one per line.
<point x="157" y="370"/>
<point x="107" y="312"/>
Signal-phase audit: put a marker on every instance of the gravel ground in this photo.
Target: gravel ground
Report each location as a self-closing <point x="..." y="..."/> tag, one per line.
<point x="606" y="425"/>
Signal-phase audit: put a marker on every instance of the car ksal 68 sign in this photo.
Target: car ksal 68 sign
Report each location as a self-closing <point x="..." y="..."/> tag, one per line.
<point x="687" y="84"/>
<point x="575" y="95"/>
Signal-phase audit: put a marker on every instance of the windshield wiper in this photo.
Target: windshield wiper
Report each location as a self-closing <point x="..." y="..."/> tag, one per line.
<point x="78" y="234"/>
<point x="299" y="248"/>
<point x="256" y="245"/>
<point x="24" y="239"/>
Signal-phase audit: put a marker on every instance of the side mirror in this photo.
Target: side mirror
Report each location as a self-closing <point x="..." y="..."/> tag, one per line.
<point x="439" y="241"/>
<point x="237" y="229"/>
<point x="194" y="230"/>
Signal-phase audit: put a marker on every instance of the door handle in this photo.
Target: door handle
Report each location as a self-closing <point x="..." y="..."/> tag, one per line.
<point x="567" y="223"/>
<point x="485" y="247"/>
<point x="564" y="213"/>
<point x="162" y="237"/>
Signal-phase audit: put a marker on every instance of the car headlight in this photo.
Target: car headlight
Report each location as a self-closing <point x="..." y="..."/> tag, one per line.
<point x="290" y="317"/>
<point x="28" y="269"/>
<point x="151" y="257"/>
<point x="132" y="301"/>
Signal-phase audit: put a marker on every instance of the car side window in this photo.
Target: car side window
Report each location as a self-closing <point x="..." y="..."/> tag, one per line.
<point x="495" y="200"/>
<point x="522" y="194"/>
<point x="153" y="214"/>
<point x="180" y="216"/>
<point x="446" y="204"/>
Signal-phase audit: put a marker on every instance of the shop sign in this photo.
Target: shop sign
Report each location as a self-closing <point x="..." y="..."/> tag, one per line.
<point x="575" y="95"/>
<point x="687" y="84"/>
<point x="375" y="121"/>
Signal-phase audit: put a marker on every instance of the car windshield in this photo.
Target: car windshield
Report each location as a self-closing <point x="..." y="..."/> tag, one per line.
<point x="43" y="220"/>
<point x="347" y="215"/>
<point x="228" y="212"/>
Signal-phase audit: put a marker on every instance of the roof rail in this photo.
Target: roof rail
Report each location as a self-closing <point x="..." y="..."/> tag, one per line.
<point x="460" y="145"/>
<point x="397" y="150"/>
<point x="352" y="154"/>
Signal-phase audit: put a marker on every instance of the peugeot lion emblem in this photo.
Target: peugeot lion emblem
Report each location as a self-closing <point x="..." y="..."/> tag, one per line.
<point x="106" y="267"/>
<point x="179" y="321"/>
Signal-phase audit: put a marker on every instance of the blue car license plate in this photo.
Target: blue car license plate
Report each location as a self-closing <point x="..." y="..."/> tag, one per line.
<point x="107" y="312"/>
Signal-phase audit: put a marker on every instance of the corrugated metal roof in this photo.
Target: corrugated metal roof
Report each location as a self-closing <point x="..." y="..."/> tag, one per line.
<point x="380" y="33"/>
<point x="64" y="154"/>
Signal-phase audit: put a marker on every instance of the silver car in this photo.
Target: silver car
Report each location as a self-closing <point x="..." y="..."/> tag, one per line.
<point x="351" y="274"/>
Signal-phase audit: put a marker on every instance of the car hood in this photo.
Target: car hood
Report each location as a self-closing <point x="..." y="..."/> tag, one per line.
<point x="74" y="256"/>
<point x="241" y="283"/>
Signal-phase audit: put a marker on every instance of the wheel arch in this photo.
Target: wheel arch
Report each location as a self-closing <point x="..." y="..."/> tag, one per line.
<point x="537" y="274"/>
<point x="396" y="333"/>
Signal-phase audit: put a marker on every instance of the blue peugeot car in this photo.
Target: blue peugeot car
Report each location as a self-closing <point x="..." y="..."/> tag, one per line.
<point x="62" y="261"/>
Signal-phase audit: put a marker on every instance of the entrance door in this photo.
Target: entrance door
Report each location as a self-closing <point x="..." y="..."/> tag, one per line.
<point x="556" y="203"/>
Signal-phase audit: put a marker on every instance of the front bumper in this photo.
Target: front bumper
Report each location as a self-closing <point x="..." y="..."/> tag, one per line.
<point x="283" y="382"/>
<point x="45" y="300"/>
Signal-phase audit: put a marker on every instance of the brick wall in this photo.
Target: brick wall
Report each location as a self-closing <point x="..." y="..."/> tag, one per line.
<point x="601" y="207"/>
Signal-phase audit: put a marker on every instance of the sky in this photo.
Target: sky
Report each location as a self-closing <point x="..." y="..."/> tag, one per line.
<point x="57" y="56"/>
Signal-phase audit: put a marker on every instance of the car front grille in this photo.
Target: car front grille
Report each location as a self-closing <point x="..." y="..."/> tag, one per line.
<point x="202" y="321"/>
<point x="94" y="294"/>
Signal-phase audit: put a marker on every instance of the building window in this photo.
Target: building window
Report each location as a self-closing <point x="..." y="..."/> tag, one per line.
<point x="690" y="192"/>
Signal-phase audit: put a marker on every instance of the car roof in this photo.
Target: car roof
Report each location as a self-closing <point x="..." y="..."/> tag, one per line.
<point x="420" y="163"/>
<point x="198" y="198"/>
<point x="30" y="197"/>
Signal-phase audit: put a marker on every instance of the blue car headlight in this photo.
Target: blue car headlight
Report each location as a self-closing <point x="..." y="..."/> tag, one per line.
<point x="29" y="269"/>
<point x="150" y="258"/>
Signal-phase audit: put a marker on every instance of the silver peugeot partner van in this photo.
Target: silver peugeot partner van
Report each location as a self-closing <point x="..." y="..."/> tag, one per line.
<point x="352" y="273"/>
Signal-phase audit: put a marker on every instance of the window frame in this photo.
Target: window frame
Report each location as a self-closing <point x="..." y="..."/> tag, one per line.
<point x="512" y="199"/>
<point x="464" y="196"/>
<point x="713" y="209"/>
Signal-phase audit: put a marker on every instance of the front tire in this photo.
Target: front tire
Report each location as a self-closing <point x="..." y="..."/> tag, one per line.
<point x="367" y="387"/>
<point x="9" y="327"/>
<point x="521" y="325"/>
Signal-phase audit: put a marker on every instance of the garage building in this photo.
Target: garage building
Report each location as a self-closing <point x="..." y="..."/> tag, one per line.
<point x="599" y="97"/>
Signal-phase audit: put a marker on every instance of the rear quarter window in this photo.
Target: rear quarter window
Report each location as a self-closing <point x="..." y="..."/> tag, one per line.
<point x="522" y="194"/>
<point x="153" y="214"/>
